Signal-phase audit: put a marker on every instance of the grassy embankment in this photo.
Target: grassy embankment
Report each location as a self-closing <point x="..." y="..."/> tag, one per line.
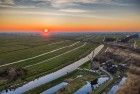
<point x="77" y="83"/>
<point x="60" y="61"/>
<point x="73" y="86"/>
<point x="55" y="63"/>
<point x="86" y="65"/>
<point x="105" y="87"/>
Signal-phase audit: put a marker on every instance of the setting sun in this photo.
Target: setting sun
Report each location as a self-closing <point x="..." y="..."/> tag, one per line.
<point x="46" y="30"/>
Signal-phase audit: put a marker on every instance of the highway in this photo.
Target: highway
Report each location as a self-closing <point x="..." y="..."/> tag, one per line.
<point x="55" y="75"/>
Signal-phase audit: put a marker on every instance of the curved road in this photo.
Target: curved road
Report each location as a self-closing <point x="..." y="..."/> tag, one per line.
<point x="55" y="75"/>
<point x="110" y="76"/>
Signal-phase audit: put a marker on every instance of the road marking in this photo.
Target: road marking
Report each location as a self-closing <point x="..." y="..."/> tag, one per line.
<point x="39" y="55"/>
<point x="55" y="56"/>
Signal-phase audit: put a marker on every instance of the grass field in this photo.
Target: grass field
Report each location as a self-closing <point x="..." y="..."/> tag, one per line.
<point x="60" y="61"/>
<point x="15" y="50"/>
<point x="9" y="44"/>
<point x="43" y="56"/>
<point x="138" y="43"/>
<point x="30" y="52"/>
<point x="86" y="65"/>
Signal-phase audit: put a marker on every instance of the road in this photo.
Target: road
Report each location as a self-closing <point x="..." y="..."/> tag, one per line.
<point x="84" y="69"/>
<point x="135" y="44"/>
<point x="55" y="75"/>
<point x="110" y="76"/>
<point x="39" y="55"/>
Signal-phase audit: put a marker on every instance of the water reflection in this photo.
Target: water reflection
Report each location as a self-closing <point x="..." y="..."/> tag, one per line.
<point x="55" y="88"/>
<point x="116" y="87"/>
<point x="88" y="87"/>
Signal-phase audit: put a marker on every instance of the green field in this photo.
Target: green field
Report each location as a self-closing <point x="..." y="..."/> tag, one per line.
<point x="60" y="61"/>
<point x="9" y="44"/>
<point x="15" y="51"/>
<point x="30" y="52"/>
<point x="138" y="43"/>
<point x="43" y="57"/>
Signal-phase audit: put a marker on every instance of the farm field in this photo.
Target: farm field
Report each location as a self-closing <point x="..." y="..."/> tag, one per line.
<point x="30" y="52"/>
<point x="14" y="43"/>
<point x="39" y="57"/>
<point x="60" y="61"/>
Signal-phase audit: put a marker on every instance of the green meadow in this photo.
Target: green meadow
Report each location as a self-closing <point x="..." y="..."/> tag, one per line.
<point x="46" y="56"/>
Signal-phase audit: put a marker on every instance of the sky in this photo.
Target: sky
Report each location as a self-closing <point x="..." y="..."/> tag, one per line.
<point x="70" y="15"/>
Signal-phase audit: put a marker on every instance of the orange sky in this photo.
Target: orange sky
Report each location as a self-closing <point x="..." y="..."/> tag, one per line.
<point x="66" y="24"/>
<point x="14" y="19"/>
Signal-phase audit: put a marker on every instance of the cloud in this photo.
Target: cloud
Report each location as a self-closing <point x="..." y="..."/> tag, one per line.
<point x="64" y="3"/>
<point x="73" y="10"/>
<point x="75" y="7"/>
<point x="69" y="3"/>
<point x="25" y="3"/>
<point x="9" y="2"/>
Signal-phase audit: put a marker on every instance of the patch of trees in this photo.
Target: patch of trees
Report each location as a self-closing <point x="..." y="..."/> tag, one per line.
<point x="109" y="55"/>
<point x="13" y="73"/>
<point x="109" y="39"/>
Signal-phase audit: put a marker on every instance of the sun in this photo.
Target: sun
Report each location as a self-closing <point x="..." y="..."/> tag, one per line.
<point x="45" y="33"/>
<point x="46" y="30"/>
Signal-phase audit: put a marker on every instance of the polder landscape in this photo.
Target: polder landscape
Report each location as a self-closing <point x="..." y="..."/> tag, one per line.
<point x="69" y="46"/>
<point x="69" y="63"/>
